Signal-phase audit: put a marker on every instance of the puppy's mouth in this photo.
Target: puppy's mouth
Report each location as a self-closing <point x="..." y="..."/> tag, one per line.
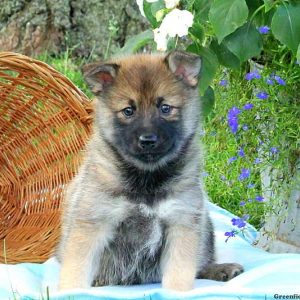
<point x="149" y="157"/>
<point x="154" y="155"/>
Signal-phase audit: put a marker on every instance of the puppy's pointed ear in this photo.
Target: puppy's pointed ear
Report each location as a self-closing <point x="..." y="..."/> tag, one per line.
<point x="99" y="76"/>
<point x="185" y="66"/>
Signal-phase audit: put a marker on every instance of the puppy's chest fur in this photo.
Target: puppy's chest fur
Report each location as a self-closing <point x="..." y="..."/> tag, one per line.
<point x="133" y="255"/>
<point x="149" y="187"/>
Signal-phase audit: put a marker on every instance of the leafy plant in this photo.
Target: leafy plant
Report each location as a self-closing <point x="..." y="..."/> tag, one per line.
<point x="226" y="32"/>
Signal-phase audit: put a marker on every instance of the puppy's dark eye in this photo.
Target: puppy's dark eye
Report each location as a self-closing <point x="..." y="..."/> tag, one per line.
<point x="165" y="108"/>
<point x="128" y="111"/>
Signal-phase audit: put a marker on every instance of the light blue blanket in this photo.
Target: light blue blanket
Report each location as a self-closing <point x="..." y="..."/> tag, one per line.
<point x="266" y="276"/>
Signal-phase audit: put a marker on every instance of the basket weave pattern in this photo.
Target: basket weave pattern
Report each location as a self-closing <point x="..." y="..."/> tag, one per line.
<point x="44" y="124"/>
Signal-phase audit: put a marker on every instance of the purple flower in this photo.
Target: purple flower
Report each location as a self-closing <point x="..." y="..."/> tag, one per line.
<point x="231" y="159"/>
<point x="229" y="234"/>
<point x="233" y="112"/>
<point x="263" y="29"/>
<point x="274" y="150"/>
<point x="245" y="127"/>
<point x="244" y="174"/>
<point x="279" y="80"/>
<point x="250" y="185"/>
<point x="223" y="177"/>
<point x="241" y="152"/>
<point x="259" y="198"/>
<point x="269" y="81"/>
<point x="223" y="82"/>
<point x="252" y="75"/>
<point x="242" y="203"/>
<point x="232" y="119"/>
<point x="262" y="95"/>
<point x="239" y="222"/>
<point x="248" y="106"/>
<point x="257" y="161"/>
<point x="233" y="124"/>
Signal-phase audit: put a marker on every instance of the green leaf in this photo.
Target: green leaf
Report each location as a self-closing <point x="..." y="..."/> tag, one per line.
<point x="201" y="8"/>
<point x="207" y="102"/>
<point x="226" y="16"/>
<point x="298" y="54"/>
<point x="269" y="4"/>
<point x="147" y="6"/>
<point x="209" y="65"/>
<point x="156" y="6"/>
<point x="159" y="15"/>
<point x="225" y="57"/>
<point x="136" y="42"/>
<point x="197" y="31"/>
<point x="245" y="42"/>
<point x="253" y="5"/>
<point x="286" y="25"/>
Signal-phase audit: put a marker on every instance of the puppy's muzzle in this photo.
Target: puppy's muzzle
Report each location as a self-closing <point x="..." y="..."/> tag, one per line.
<point x="148" y="141"/>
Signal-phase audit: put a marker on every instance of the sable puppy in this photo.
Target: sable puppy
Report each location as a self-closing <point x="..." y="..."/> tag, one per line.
<point x="136" y="211"/>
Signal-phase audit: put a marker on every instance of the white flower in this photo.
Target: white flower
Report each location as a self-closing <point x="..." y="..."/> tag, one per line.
<point x="176" y="22"/>
<point x="171" y="3"/>
<point x="161" y="39"/>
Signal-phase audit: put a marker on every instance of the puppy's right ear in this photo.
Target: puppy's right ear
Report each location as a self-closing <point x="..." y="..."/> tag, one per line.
<point x="99" y="76"/>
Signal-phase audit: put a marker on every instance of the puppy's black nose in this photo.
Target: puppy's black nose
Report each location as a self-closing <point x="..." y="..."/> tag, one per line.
<point x="148" y="141"/>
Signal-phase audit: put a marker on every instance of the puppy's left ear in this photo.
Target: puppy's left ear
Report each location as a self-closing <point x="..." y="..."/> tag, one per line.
<point x="185" y="66"/>
<point x="100" y="76"/>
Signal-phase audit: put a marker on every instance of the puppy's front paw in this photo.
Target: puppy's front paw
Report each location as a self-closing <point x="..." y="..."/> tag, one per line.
<point x="177" y="283"/>
<point x="221" y="272"/>
<point x="71" y="283"/>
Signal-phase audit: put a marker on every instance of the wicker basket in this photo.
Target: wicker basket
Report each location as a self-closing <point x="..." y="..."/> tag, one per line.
<point x="44" y="123"/>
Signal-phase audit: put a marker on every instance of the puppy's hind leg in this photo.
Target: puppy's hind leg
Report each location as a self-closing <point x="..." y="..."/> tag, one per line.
<point x="220" y="272"/>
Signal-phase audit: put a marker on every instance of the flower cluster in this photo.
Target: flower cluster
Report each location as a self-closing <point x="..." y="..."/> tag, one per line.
<point x="264" y="29"/>
<point x="240" y="223"/>
<point x="243" y="162"/>
<point x="232" y="119"/>
<point x="175" y="23"/>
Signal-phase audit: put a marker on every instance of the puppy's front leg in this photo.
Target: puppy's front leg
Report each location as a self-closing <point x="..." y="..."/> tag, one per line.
<point x="179" y="259"/>
<point x="81" y="255"/>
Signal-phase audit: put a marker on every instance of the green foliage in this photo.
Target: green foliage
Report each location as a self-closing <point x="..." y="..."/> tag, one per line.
<point x="286" y="25"/>
<point x="273" y="122"/>
<point x="244" y="43"/>
<point x="69" y="67"/>
<point x="209" y="65"/>
<point x="225" y="32"/>
<point x="226" y="16"/>
<point x="225" y="57"/>
<point x="136" y="42"/>
<point x="207" y="101"/>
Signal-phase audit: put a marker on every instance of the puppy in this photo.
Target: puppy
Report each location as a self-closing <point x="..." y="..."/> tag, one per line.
<point x="136" y="211"/>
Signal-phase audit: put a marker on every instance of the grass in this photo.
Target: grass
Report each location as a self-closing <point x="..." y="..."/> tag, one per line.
<point x="68" y="66"/>
<point x="273" y="121"/>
